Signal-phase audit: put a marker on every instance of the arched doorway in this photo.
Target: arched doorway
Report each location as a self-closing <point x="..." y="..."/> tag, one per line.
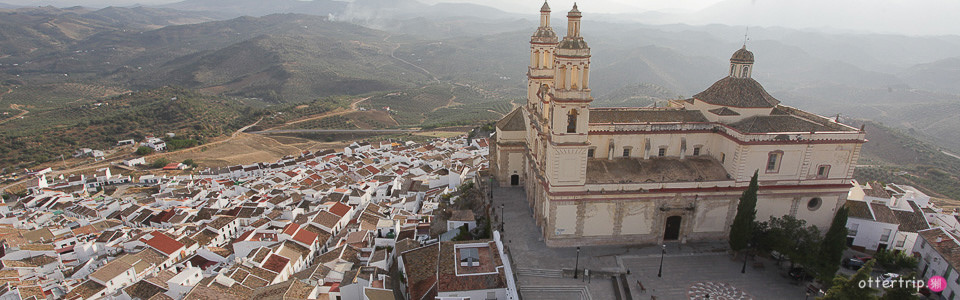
<point x="671" y="231"/>
<point x="514" y="179"/>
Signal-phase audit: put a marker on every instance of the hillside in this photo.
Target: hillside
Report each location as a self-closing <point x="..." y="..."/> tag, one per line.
<point x="898" y="156"/>
<point x="41" y="136"/>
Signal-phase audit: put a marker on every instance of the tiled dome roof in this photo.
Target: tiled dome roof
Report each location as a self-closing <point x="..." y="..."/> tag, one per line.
<point x="737" y="92"/>
<point x="742" y="56"/>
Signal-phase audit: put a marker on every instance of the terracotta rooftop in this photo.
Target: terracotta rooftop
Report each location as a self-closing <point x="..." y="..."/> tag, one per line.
<point x="737" y="92"/>
<point x="452" y="274"/>
<point x="512" y="121"/>
<point x="875" y="189"/>
<point x="162" y="242"/>
<point x="420" y="269"/>
<point x="143" y="290"/>
<point x="948" y="247"/>
<point x="782" y="123"/>
<point x="913" y="220"/>
<point x="657" y="169"/>
<point x="883" y="214"/>
<point x="858" y="209"/>
<point x="640" y="115"/>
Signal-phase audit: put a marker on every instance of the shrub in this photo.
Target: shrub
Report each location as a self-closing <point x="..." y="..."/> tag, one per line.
<point x="160" y="163"/>
<point x="144" y="150"/>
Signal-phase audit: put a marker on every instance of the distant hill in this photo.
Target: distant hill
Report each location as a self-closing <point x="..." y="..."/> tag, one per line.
<point x="278" y="58"/>
<point x="257" y="8"/>
<point x="940" y="75"/>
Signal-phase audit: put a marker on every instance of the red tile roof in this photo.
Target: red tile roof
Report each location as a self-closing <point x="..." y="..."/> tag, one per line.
<point x="305" y="236"/>
<point x="275" y="263"/>
<point x="340" y="209"/>
<point x="162" y="242"/>
<point x="291" y="228"/>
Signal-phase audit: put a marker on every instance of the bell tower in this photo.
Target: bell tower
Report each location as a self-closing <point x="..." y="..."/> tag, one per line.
<point x="568" y="110"/>
<point x="571" y="102"/>
<point x="543" y="48"/>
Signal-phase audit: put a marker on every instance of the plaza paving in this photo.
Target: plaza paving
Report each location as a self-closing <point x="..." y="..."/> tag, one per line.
<point x="689" y="271"/>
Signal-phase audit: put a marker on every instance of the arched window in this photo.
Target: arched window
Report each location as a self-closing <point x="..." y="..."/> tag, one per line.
<point x="733" y="68"/>
<point x="572" y="121"/>
<point x="745" y="69"/>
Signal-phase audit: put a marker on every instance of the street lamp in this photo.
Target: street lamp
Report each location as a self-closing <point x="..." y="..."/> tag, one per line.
<point x="662" y="252"/>
<point x="577" y="265"/>
<point x="501" y="218"/>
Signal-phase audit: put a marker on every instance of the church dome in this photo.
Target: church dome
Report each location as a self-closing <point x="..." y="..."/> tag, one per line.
<point x="743" y="56"/>
<point x="737" y="92"/>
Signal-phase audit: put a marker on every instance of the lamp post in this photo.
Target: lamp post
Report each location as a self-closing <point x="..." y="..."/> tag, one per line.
<point x="501" y="217"/>
<point x="577" y="265"/>
<point x="662" y="252"/>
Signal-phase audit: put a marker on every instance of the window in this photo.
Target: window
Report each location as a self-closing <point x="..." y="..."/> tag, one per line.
<point x="572" y="121"/>
<point x="823" y="171"/>
<point x="814" y="203"/>
<point x="745" y="69"/>
<point x="886" y="236"/>
<point x="852" y="231"/>
<point x="696" y="150"/>
<point x="662" y="152"/>
<point x="590" y="152"/>
<point x="773" y="161"/>
<point x="946" y="274"/>
<point x="732" y="68"/>
<point x="626" y="151"/>
<point x="904" y="241"/>
<point x="723" y="157"/>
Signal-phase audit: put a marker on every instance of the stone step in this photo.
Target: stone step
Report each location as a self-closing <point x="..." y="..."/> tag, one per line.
<point x="583" y="291"/>
<point x="540" y="273"/>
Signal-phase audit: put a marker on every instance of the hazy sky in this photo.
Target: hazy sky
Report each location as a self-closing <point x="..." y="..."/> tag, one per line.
<point x="926" y="17"/>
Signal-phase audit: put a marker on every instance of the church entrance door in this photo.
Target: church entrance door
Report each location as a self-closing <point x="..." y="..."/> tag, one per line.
<point x="671" y="232"/>
<point x="515" y="179"/>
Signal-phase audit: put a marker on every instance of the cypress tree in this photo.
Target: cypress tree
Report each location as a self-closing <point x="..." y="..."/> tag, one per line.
<point x="834" y="242"/>
<point x="740" y="230"/>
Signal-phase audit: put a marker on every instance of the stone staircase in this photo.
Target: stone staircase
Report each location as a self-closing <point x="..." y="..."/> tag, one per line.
<point x="544" y="292"/>
<point x="548" y="273"/>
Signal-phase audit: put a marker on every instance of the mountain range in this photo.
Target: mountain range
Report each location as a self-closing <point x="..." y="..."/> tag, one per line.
<point x="367" y="46"/>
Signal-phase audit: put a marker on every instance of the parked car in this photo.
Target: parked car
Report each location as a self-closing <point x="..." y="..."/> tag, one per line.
<point x="799" y="274"/>
<point x="852" y="263"/>
<point x="863" y="258"/>
<point x="889" y="277"/>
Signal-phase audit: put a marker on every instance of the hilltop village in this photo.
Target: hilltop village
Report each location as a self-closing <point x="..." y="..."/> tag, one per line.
<point x="321" y="225"/>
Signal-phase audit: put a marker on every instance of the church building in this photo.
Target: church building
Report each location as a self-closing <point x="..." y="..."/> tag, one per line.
<point x="647" y="175"/>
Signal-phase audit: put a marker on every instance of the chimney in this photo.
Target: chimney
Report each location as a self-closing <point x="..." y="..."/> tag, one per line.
<point x="939" y="240"/>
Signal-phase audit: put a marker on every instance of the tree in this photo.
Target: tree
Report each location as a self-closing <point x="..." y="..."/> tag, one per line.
<point x="785" y="234"/>
<point x="160" y="162"/>
<point x="849" y="288"/>
<point x="740" y="230"/>
<point x="834" y="242"/>
<point x="190" y="162"/>
<point x="895" y="261"/>
<point x="144" y="150"/>
<point x="902" y="291"/>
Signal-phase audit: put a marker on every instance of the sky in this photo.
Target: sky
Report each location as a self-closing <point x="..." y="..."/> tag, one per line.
<point x="910" y="17"/>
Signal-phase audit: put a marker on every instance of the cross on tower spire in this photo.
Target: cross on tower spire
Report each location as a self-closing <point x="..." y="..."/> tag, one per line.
<point x="746" y="37"/>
